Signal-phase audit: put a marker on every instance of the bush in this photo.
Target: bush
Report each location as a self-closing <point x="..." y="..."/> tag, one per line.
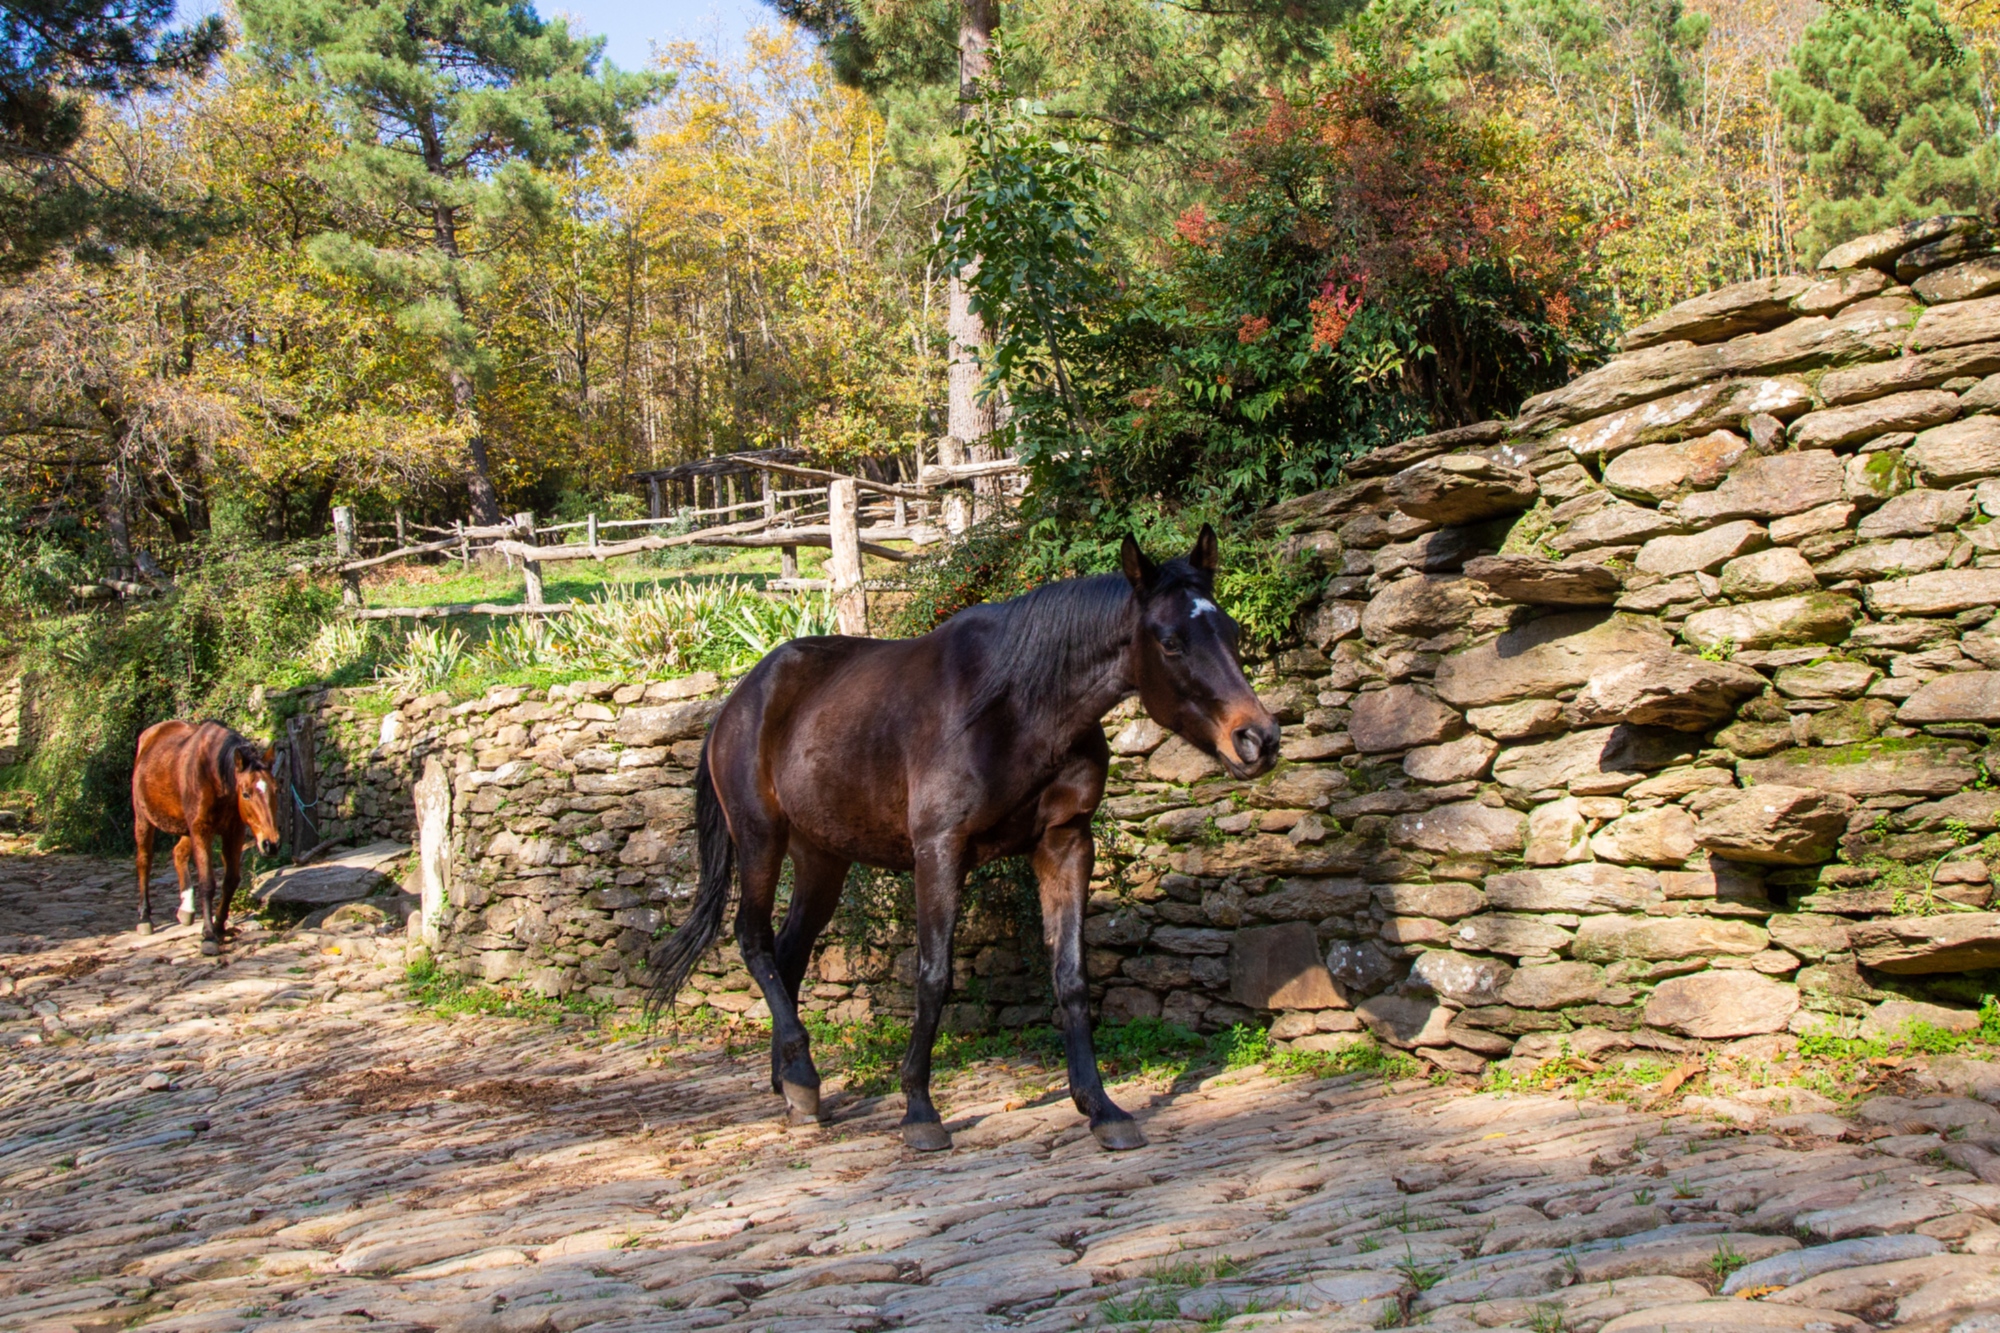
<point x="1376" y="265"/>
<point x="235" y="617"/>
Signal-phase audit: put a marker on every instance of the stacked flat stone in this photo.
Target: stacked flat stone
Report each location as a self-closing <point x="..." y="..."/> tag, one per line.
<point x="1638" y="721"/>
<point x="1653" y="717"/>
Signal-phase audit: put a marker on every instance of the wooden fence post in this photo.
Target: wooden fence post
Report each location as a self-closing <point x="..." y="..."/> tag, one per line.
<point x="401" y="540"/>
<point x="770" y="497"/>
<point x="464" y="546"/>
<point x="531" y="569"/>
<point x="343" y="547"/>
<point x="850" y="599"/>
<point x="788" y="562"/>
<point x="590" y="531"/>
<point x="654" y="507"/>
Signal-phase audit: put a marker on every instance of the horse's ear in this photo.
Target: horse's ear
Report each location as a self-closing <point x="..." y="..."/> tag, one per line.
<point x="1139" y="571"/>
<point x="270" y="755"/>
<point x="1206" y="555"/>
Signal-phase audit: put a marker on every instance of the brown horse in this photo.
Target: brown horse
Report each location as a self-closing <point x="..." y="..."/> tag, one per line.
<point x="203" y="782"/>
<point x="979" y="740"/>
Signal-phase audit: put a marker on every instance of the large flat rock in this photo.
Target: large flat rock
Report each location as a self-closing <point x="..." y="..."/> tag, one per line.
<point x="1743" y="307"/>
<point x="358" y="872"/>
<point x="1916" y="945"/>
<point x="1545" y="656"/>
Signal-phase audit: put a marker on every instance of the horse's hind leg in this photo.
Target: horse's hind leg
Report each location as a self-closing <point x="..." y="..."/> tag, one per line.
<point x="183" y="872"/>
<point x="142" y="842"/>
<point x="760" y="857"/>
<point x="817" y="879"/>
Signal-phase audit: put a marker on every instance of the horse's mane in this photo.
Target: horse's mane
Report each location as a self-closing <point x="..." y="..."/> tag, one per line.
<point x="233" y="744"/>
<point x="1045" y="648"/>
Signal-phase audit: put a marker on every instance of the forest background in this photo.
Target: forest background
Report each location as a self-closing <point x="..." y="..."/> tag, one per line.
<point x="438" y="257"/>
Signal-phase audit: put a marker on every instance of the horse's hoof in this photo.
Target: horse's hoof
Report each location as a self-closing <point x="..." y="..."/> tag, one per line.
<point x="183" y="918"/>
<point x="209" y="948"/>
<point x="926" y="1136"/>
<point x="1118" y="1135"/>
<point x="144" y="928"/>
<point x="801" y="1102"/>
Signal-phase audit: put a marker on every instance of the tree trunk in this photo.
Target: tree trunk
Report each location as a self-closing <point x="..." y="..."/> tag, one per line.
<point x="464" y="393"/>
<point x="479" y="476"/>
<point x="969" y="422"/>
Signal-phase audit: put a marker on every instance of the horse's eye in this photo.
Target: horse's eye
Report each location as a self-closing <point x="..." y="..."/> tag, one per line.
<point x="1171" y="645"/>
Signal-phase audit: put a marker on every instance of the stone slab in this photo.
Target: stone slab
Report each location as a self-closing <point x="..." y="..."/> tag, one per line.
<point x="342" y="877"/>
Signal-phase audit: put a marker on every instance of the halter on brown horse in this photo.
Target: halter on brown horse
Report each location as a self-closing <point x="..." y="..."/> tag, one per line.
<point x="203" y="782"/>
<point x="979" y="740"/>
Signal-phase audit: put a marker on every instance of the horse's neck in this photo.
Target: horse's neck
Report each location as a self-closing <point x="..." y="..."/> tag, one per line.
<point x="1103" y="688"/>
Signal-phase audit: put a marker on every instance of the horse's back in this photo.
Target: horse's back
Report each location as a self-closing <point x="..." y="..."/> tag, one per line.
<point x="170" y="770"/>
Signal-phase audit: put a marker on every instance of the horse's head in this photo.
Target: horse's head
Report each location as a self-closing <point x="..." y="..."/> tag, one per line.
<point x="256" y="794"/>
<point x="1184" y="660"/>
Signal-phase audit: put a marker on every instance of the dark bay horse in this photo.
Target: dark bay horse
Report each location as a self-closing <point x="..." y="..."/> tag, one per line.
<point x="979" y="740"/>
<point x="202" y="782"/>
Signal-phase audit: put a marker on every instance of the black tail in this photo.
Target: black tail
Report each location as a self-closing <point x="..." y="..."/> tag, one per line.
<point x="674" y="957"/>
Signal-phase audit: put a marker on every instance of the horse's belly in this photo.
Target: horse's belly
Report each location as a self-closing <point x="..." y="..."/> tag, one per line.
<point x="850" y="803"/>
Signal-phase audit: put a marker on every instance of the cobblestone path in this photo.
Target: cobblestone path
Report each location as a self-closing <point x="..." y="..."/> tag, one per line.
<point x="280" y="1141"/>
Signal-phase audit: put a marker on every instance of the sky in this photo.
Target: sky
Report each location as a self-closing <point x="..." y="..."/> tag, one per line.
<point x="630" y="26"/>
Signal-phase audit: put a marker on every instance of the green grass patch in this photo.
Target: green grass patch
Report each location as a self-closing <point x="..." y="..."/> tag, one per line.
<point x="449" y="996"/>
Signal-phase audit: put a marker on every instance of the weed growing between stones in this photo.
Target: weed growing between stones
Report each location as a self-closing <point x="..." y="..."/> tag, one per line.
<point x="1160" y="1299"/>
<point x="1724" y="1262"/>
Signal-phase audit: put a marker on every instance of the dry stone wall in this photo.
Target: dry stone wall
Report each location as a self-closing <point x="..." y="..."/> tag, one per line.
<point x="1657" y="715"/>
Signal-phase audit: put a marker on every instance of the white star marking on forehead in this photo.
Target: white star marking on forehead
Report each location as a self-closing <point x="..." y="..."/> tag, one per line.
<point x="1202" y="606"/>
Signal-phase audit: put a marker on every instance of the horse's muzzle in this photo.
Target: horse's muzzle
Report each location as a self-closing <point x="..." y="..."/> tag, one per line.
<point x="267" y="845"/>
<point x="1256" y="748"/>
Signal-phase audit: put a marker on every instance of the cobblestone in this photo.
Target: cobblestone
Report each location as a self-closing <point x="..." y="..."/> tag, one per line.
<point x="280" y="1140"/>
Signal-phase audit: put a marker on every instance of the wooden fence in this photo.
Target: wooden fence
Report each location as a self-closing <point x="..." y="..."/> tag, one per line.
<point x="849" y="516"/>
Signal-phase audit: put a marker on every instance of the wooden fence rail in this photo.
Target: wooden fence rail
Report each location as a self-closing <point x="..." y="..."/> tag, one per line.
<point x="842" y="531"/>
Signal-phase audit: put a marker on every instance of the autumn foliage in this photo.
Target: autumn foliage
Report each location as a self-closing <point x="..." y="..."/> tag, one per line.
<point x="1375" y="263"/>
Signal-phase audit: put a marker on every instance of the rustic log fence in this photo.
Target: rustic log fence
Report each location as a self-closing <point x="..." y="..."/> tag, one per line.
<point x="849" y="517"/>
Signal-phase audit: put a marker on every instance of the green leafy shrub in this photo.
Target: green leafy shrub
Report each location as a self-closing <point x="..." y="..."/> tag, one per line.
<point x="1375" y="264"/>
<point x="235" y="617"/>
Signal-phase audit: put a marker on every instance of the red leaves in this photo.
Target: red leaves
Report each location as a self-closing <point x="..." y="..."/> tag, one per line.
<point x="1195" y="227"/>
<point x="1395" y="191"/>
<point x="1333" y="310"/>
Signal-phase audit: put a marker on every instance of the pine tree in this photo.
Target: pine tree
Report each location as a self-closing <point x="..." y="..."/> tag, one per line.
<point x="53" y="55"/>
<point x="451" y="110"/>
<point x="1883" y="100"/>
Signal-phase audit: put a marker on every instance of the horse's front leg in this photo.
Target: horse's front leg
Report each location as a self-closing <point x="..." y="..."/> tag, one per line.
<point x="232" y="875"/>
<point x="940" y="883"/>
<point x="1063" y="861"/>
<point x="204" y="887"/>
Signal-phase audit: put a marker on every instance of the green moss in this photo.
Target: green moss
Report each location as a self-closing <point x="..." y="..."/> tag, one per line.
<point x="1861" y="752"/>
